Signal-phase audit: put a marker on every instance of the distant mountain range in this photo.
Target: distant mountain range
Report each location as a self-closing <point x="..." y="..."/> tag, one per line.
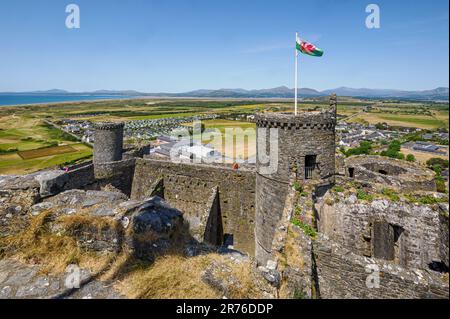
<point x="441" y="93"/>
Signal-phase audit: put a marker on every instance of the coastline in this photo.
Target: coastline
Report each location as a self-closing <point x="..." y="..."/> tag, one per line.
<point x="65" y="102"/>
<point x="144" y="98"/>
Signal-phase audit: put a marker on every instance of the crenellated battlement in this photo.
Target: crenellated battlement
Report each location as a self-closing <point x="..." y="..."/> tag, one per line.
<point x="301" y="120"/>
<point x="109" y="126"/>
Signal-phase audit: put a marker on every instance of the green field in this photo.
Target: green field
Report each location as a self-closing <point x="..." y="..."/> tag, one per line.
<point x="416" y="121"/>
<point x="28" y="144"/>
<point x="422" y="115"/>
<point x="14" y="164"/>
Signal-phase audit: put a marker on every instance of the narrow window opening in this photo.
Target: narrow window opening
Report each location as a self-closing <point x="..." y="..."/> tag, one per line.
<point x="310" y="164"/>
<point x="351" y="172"/>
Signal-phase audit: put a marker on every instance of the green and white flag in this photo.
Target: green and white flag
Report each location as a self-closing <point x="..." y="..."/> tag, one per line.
<point x="308" y="48"/>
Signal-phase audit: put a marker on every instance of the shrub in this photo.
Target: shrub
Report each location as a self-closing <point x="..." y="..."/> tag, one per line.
<point x="297" y="186"/>
<point x="304" y="194"/>
<point x="437" y="161"/>
<point x="381" y="126"/>
<point x="365" y="147"/>
<point x="410" y="158"/>
<point x="338" y="189"/>
<point x="307" y="229"/>
<point x="363" y="195"/>
<point x="440" y="185"/>
<point x="426" y="199"/>
<point x="437" y="169"/>
<point x="391" y="194"/>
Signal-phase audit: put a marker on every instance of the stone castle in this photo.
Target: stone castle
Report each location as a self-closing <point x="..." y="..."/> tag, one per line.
<point x="265" y="213"/>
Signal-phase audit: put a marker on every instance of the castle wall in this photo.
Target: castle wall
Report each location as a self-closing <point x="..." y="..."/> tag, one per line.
<point x="119" y="174"/>
<point x="190" y="187"/>
<point x="54" y="182"/>
<point x="306" y="134"/>
<point x="344" y="275"/>
<point x="368" y="229"/>
<point x="213" y="233"/>
<point x="397" y="174"/>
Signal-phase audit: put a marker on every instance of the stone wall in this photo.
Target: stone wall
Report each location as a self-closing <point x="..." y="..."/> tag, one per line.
<point x="393" y="173"/>
<point x="131" y="151"/>
<point x="270" y="200"/>
<point x="54" y="182"/>
<point x="405" y="232"/>
<point x="443" y="234"/>
<point x="344" y="275"/>
<point x="300" y="137"/>
<point x="340" y="164"/>
<point x="117" y="174"/>
<point x="213" y="233"/>
<point x="190" y="188"/>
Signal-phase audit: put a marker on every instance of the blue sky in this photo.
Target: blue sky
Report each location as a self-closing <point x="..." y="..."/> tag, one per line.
<point x="176" y="46"/>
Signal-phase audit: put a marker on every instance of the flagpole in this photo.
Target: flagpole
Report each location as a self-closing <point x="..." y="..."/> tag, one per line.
<point x="296" y="71"/>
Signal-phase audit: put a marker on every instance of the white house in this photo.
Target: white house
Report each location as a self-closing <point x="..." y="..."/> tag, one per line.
<point x="200" y="152"/>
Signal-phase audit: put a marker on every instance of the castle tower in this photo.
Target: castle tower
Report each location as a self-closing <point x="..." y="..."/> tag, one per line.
<point x="306" y="152"/>
<point x="108" y="142"/>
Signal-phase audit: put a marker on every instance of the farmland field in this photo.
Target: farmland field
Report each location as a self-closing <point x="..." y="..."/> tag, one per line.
<point x="417" y="121"/>
<point x="27" y="145"/>
<point x="422" y="157"/>
<point x="48" y="151"/>
<point x="14" y="164"/>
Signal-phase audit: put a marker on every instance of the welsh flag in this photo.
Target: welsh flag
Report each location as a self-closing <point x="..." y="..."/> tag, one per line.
<point x="308" y="48"/>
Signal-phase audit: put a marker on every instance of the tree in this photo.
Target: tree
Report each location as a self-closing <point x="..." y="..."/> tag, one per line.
<point x="365" y="147"/>
<point x="395" y="145"/>
<point x="438" y="169"/>
<point x="381" y="126"/>
<point x="410" y="158"/>
<point x="393" y="150"/>
<point x="437" y="161"/>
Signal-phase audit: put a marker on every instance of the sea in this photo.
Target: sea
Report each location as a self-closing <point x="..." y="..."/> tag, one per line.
<point x="26" y="99"/>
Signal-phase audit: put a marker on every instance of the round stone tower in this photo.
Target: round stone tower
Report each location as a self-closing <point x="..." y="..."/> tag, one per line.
<point x="108" y="142"/>
<point x="306" y="152"/>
